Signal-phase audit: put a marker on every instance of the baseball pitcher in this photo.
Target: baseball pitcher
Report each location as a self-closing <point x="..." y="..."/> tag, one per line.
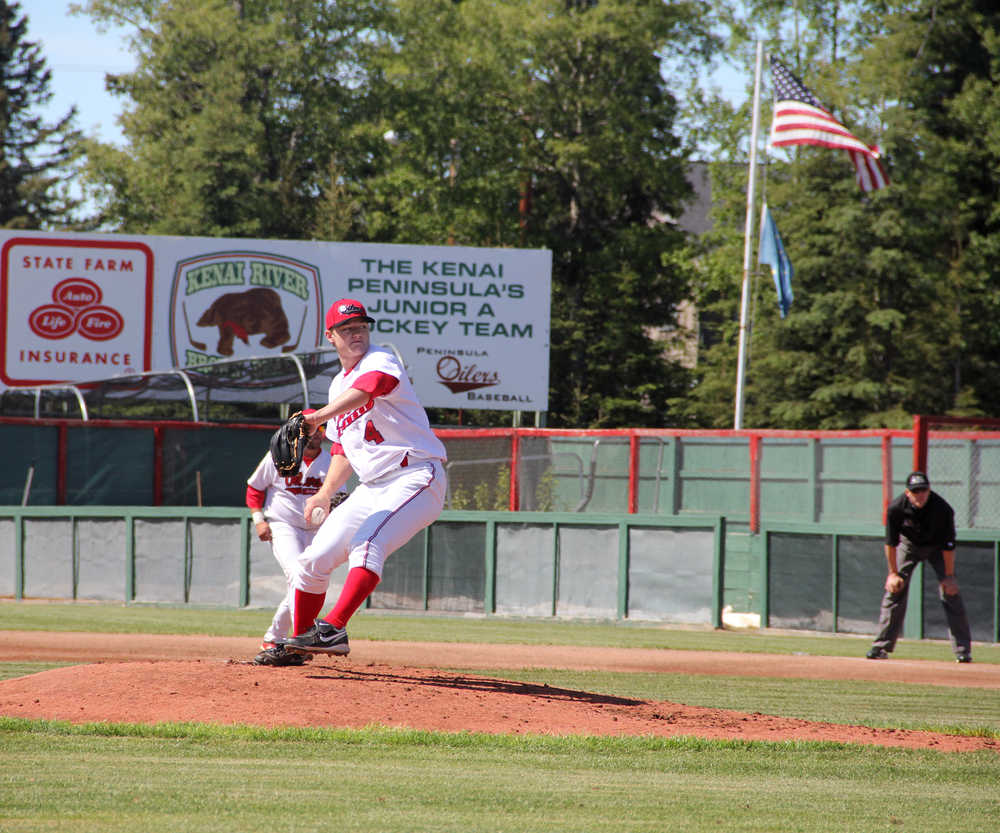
<point x="381" y="432"/>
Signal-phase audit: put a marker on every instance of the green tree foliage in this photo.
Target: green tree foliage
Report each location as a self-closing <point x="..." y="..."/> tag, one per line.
<point x="234" y="117"/>
<point x="536" y="123"/>
<point x="549" y="124"/>
<point x="944" y="72"/>
<point x="36" y="157"/>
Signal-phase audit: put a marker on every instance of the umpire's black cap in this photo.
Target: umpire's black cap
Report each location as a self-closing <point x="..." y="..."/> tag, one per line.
<point x="916" y="481"/>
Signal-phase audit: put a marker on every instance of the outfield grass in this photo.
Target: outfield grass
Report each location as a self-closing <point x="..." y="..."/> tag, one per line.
<point x="118" y="777"/>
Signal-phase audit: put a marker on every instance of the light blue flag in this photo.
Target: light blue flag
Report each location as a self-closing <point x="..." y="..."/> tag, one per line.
<point x="772" y="252"/>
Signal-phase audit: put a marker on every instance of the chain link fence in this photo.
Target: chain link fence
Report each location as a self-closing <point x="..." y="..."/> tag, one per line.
<point x="963" y="463"/>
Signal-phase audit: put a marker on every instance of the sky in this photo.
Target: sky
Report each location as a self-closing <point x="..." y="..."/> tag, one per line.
<point x="78" y="56"/>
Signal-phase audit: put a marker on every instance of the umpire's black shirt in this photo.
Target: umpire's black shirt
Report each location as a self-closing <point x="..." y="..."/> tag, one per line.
<point x="933" y="525"/>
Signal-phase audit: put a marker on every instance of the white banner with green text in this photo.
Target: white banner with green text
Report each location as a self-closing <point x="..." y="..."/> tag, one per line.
<point x="472" y="324"/>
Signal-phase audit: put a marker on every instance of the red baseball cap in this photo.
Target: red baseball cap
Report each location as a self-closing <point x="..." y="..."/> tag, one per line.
<point x="344" y="310"/>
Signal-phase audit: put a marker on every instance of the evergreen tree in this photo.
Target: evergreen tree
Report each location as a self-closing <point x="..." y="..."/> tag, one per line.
<point x="941" y="67"/>
<point x="36" y="157"/>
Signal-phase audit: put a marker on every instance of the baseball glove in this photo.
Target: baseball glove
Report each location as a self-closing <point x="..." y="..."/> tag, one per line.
<point x="288" y="444"/>
<point x="338" y="499"/>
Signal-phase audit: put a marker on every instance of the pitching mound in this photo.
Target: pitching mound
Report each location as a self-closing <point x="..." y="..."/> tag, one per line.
<point x="156" y="679"/>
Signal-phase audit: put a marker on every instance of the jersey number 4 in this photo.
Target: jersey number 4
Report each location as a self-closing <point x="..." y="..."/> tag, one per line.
<point x="372" y="434"/>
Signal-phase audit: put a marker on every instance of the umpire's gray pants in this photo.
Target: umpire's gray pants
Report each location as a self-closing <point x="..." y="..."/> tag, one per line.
<point x="893" y="609"/>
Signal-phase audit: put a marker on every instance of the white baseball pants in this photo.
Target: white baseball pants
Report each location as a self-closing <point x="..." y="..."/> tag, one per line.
<point x="287" y="544"/>
<point x="375" y="521"/>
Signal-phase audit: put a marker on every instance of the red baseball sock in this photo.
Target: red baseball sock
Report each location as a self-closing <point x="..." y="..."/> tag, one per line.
<point x="306" y="609"/>
<point x="358" y="587"/>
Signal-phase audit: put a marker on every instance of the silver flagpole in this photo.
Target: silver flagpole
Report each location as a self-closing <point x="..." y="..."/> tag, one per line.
<point x="748" y="242"/>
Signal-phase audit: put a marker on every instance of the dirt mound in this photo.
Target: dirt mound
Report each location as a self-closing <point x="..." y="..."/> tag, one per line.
<point x="167" y="679"/>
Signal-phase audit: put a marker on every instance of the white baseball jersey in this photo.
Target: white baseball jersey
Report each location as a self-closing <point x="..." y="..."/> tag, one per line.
<point x="286" y="496"/>
<point x="392" y="429"/>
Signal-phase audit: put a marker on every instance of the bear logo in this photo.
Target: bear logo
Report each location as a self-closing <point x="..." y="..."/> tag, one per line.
<point x="244" y="314"/>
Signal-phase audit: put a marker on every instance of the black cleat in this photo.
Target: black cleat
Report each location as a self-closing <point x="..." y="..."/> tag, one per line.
<point x="321" y="638"/>
<point x="276" y="655"/>
<point x="963" y="658"/>
<point x="877" y="653"/>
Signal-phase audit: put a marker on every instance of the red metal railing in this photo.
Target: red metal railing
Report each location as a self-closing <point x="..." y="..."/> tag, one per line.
<point x="754" y="440"/>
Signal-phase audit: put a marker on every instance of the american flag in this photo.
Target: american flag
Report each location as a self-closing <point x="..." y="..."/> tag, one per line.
<point x="799" y="119"/>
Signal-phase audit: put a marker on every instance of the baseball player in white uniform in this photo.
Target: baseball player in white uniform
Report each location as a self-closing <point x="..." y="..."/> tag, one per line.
<point x="278" y="505"/>
<point x="381" y="432"/>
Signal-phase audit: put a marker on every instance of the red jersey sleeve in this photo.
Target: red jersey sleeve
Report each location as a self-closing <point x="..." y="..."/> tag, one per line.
<point x="376" y="383"/>
<point x="255" y="498"/>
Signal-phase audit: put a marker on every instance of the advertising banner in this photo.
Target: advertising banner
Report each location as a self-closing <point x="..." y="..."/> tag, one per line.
<point x="471" y="324"/>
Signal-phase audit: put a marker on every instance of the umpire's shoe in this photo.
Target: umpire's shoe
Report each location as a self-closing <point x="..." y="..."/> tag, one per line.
<point x="321" y="638"/>
<point x="276" y="655"/>
<point x="877" y="653"/>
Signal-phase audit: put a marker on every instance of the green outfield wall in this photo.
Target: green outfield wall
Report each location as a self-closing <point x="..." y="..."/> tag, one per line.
<point x="815" y="577"/>
<point x="540" y="488"/>
<point x="523" y="564"/>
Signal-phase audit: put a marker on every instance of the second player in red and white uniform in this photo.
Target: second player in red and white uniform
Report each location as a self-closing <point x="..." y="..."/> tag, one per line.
<point x="278" y="505"/>
<point x="381" y="432"/>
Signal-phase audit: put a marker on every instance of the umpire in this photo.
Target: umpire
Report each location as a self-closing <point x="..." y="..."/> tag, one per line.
<point x="920" y="526"/>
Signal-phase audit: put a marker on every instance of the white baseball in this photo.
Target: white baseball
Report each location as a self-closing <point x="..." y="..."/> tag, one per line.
<point x="317" y="516"/>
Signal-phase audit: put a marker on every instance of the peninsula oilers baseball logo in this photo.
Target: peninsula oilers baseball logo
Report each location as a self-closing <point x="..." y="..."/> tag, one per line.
<point x="75" y="310"/>
<point x="232" y="304"/>
<point x="459" y="374"/>
<point x="470" y="373"/>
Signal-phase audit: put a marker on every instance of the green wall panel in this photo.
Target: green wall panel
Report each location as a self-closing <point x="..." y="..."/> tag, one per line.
<point x="29" y="447"/>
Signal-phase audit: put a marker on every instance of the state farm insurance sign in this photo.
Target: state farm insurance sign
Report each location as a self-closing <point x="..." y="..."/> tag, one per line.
<point x="74" y="310"/>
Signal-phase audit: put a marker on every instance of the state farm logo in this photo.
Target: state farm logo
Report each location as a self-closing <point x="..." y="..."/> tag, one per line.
<point x="77" y="308"/>
<point x="74" y="308"/>
<point x="459" y="378"/>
